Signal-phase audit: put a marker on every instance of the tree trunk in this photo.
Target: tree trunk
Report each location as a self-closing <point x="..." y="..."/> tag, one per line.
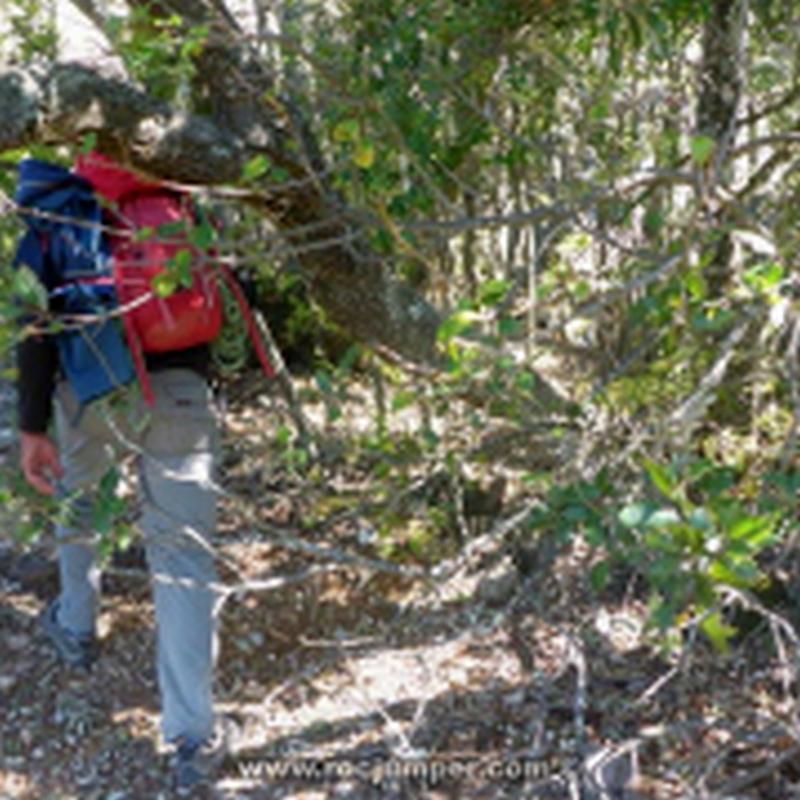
<point x="721" y="82"/>
<point x="721" y="72"/>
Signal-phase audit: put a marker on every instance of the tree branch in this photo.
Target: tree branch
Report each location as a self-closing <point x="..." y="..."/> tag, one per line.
<point x="73" y="101"/>
<point x="93" y="12"/>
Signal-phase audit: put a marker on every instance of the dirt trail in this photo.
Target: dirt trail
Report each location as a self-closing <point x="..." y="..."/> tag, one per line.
<point x="361" y="685"/>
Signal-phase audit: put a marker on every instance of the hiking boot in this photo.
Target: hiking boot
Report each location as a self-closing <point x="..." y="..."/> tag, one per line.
<point x="196" y="760"/>
<point x="75" y="650"/>
<point x="194" y="763"/>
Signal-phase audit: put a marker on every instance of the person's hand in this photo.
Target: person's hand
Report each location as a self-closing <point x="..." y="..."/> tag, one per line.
<point x="39" y="461"/>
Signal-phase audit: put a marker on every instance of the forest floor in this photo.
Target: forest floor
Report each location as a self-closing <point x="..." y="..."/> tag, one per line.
<point x="359" y="683"/>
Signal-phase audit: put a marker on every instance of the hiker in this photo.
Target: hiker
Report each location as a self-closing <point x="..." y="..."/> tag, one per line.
<point x="174" y="435"/>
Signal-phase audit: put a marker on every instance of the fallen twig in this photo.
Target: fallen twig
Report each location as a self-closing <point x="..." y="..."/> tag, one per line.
<point x="736" y="785"/>
<point x="682" y="665"/>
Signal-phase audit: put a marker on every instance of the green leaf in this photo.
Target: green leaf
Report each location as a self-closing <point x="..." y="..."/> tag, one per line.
<point x="172" y="230"/>
<point x="255" y="168"/>
<point x="526" y="381"/>
<point x="595" y="535"/>
<point x="663" y="518"/>
<point x="28" y="289"/>
<point x="714" y="480"/>
<point x="696" y="285"/>
<point x="164" y="284"/>
<point x="403" y="400"/>
<point x="109" y="482"/>
<point x="600" y="110"/>
<point x="653" y="222"/>
<point x="764" y="277"/>
<point x="633" y="515"/>
<point x="181" y="268"/>
<point x="323" y="381"/>
<point x="635" y="28"/>
<point x="665" y="570"/>
<point x="507" y="327"/>
<point x="757" y="532"/>
<point x="575" y="514"/>
<point x="89" y="143"/>
<point x="431" y="438"/>
<point x="202" y="235"/>
<point x="662" y="615"/>
<point x="702" y="148"/>
<point x="599" y="575"/>
<point x="740" y="574"/>
<point x="701" y="519"/>
<point x="183" y="258"/>
<point x="493" y="292"/>
<point x="713" y="322"/>
<point x="364" y="154"/>
<point x="661" y="479"/>
<point x="348" y="130"/>
<point x="658" y="540"/>
<point x="718" y="632"/>
<point x="143" y="234"/>
<point x="458" y="323"/>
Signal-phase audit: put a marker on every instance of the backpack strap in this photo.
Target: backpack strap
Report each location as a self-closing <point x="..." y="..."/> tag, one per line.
<point x="139" y="363"/>
<point x="247" y="314"/>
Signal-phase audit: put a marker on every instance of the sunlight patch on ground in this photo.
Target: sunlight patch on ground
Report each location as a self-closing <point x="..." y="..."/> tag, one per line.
<point x="363" y="686"/>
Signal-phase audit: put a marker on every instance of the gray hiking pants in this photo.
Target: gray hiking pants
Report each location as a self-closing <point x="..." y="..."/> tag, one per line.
<point x="176" y="445"/>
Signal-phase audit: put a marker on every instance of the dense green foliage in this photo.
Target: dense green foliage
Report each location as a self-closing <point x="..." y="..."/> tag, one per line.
<point x="595" y="193"/>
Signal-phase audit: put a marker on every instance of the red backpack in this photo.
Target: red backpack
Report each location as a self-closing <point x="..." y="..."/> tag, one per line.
<point x="190" y="315"/>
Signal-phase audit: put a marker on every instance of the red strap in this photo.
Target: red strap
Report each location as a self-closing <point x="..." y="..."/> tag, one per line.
<point x="252" y="328"/>
<point x="135" y="346"/>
